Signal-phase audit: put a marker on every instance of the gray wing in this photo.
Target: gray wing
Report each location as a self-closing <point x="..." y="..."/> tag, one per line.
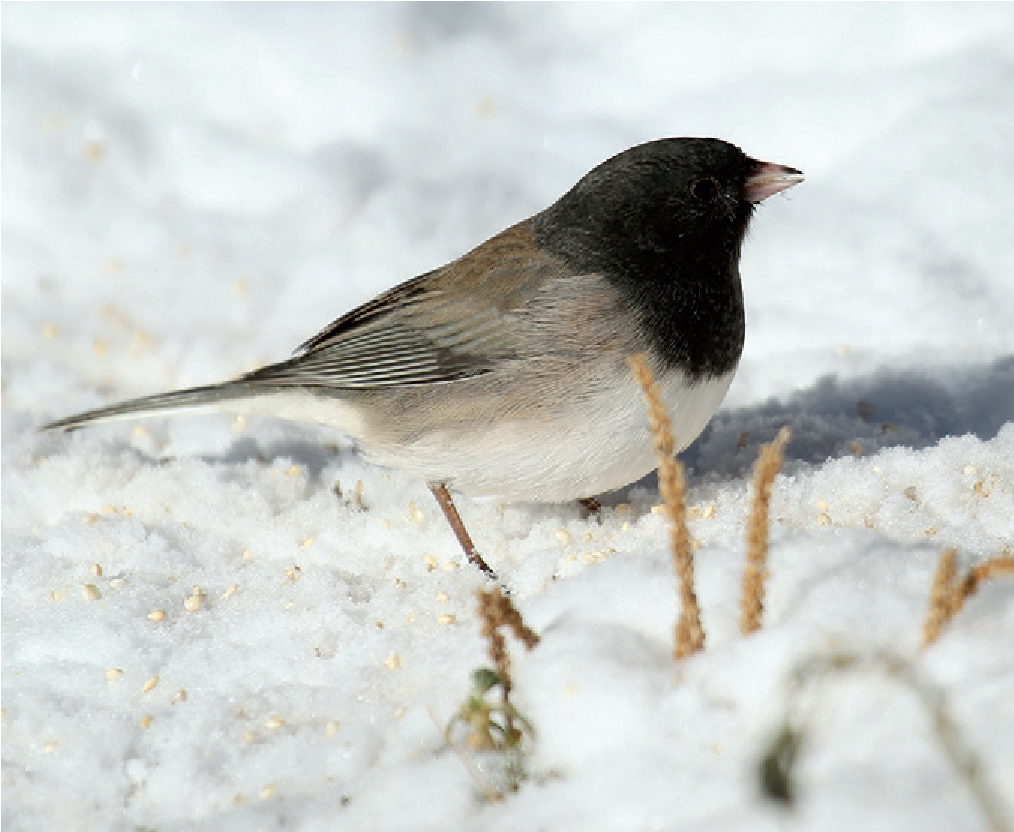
<point x="456" y="322"/>
<point x="411" y="335"/>
<point x="417" y="333"/>
<point x="453" y="323"/>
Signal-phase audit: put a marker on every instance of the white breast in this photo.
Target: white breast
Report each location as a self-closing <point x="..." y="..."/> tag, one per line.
<point x="604" y="444"/>
<point x="591" y="445"/>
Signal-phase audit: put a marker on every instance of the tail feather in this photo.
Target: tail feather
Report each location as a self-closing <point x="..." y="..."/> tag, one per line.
<point x="158" y="405"/>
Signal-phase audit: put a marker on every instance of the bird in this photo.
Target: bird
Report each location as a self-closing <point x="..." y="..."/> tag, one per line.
<point x="504" y="372"/>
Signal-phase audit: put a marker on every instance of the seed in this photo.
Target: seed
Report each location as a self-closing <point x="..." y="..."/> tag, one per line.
<point x="195" y="601"/>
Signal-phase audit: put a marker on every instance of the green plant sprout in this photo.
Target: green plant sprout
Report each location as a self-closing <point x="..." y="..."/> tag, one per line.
<point x="491" y="726"/>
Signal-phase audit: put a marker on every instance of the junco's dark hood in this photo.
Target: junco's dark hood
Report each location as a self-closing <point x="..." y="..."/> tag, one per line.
<point x="665" y="222"/>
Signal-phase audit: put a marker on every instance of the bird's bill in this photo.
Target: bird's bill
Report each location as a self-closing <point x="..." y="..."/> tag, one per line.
<point x="769" y="179"/>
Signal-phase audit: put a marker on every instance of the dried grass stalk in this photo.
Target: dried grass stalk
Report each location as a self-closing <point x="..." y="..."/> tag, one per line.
<point x="497" y="611"/>
<point x="769" y="462"/>
<point x="992" y="568"/>
<point x="689" y="634"/>
<point x="948" y="594"/>
<point x="941" y="606"/>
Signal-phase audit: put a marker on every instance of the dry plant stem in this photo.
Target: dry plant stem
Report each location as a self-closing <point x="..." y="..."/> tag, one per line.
<point x="755" y="575"/>
<point x="992" y="568"/>
<point x="941" y="606"/>
<point x="689" y="635"/>
<point x="457" y="525"/>
<point x="949" y="594"/>
<point x="497" y="643"/>
<point x="496" y="611"/>
<point x="512" y="619"/>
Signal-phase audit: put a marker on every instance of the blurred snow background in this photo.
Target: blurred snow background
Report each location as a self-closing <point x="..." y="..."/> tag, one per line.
<point x="191" y="190"/>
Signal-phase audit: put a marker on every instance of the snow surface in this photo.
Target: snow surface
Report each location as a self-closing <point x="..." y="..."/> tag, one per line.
<point x="191" y="190"/>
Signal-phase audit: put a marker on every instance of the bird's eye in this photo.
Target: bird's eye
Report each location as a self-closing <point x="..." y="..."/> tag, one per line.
<point x="704" y="189"/>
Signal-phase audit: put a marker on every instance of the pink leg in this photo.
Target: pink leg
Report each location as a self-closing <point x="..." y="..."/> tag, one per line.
<point x="451" y="513"/>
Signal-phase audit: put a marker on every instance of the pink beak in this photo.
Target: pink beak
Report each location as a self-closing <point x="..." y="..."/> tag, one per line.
<point x="768" y="179"/>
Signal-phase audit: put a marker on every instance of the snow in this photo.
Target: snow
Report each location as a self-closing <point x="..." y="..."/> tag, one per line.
<point x="190" y="190"/>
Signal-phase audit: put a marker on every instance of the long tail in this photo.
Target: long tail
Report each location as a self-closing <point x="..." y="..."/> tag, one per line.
<point x="160" y="405"/>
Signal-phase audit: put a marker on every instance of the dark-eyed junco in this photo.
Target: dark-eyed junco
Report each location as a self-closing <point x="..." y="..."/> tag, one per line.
<point x="504" y="372"/>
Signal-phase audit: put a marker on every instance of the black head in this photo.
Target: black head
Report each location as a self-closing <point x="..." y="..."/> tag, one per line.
<point x="670" y="200"/>
<point x="664" y="222"/>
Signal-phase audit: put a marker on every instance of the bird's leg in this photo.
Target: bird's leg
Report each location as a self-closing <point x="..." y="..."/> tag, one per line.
<point x="591" y="506"/>
<point x="451" y="513"/>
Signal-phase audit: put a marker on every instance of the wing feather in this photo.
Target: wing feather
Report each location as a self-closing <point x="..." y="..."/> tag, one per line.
<point x="452" y="323"/>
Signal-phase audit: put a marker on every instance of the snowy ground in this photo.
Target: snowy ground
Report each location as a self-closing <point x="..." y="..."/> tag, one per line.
<point x="191" y="190"/>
